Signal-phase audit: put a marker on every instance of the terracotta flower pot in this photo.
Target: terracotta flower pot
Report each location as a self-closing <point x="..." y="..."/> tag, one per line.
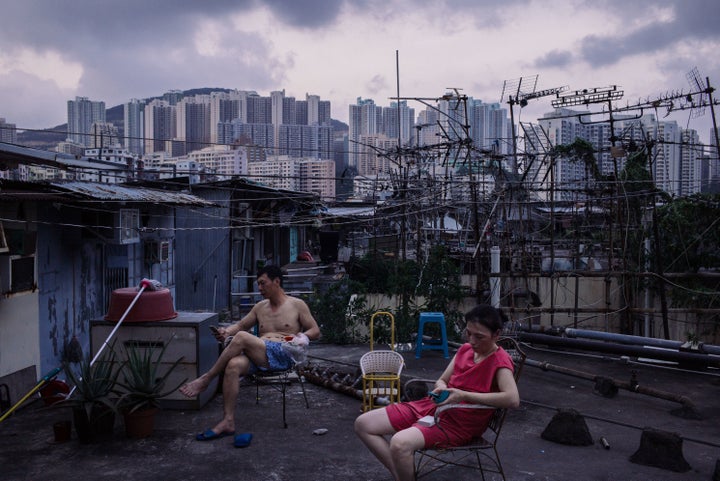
<point x="141" y="423"/>
<point x="98" y="427"/>
<point x="62" y="430"/>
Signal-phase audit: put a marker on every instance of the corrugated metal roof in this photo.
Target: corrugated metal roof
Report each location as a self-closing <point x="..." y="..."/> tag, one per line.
<point x="115" y="192"/>
<point x="364" y="211"/>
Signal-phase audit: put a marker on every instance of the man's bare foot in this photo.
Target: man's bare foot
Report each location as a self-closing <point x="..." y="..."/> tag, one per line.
<point x="195" y="387"/>
<point x="224" y="427"/>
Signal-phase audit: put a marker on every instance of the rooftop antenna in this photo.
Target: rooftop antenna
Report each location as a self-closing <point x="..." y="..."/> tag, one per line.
<point x="595" y="95"/>
<point x="695" y="81"/>
<point x="519" y="91"/>
<point x="693" y="78"/>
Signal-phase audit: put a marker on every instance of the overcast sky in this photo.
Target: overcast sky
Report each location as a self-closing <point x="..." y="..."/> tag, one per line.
<point x="113" y="51"/>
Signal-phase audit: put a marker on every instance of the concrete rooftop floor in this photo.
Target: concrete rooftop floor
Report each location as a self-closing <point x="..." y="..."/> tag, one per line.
<point x="28" y="450"/>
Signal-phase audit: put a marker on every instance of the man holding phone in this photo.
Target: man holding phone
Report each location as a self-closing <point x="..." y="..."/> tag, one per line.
<point x="280" y="318"/>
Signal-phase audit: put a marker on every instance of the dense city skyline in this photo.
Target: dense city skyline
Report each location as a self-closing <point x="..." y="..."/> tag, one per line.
<point x="343" y="50"/>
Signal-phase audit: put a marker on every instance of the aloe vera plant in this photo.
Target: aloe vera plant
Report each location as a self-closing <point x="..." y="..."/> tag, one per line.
<point x="142" y="380"/>
<point x="94" y="382"/>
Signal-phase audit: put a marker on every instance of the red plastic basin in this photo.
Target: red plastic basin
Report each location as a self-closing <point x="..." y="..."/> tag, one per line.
<point x="150" y="306"/>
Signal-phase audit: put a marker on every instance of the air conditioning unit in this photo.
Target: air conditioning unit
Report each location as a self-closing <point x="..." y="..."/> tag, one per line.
<point x="243" y="220"/>
<point x="17" y="273"/>
<point x="3" y="242"/>
<point x="156" y="251"/>
<point x="127" y="226"/>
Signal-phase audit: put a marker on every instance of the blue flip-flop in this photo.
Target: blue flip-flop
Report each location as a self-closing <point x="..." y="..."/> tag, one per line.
<point x="242" y="440"/>
<point x="211" y="435"/>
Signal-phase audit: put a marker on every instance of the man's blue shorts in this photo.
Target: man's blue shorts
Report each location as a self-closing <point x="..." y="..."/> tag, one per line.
<point x="278" y="358"/>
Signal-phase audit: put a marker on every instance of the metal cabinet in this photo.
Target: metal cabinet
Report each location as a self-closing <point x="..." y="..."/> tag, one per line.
<point x="189" y="337"/>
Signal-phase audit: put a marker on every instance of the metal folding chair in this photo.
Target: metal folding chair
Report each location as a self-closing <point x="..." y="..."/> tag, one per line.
<point x="280" y="380"/>
<point x="481" y="453"/>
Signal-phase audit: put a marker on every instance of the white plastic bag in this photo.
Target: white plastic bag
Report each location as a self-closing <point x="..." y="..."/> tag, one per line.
<point x="296" y="347"/>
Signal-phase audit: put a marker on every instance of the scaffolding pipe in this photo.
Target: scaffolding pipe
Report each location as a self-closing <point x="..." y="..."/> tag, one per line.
<point x="638" y="340"/>
<point x="633" y="386"/>
<point x="636" y="351"/>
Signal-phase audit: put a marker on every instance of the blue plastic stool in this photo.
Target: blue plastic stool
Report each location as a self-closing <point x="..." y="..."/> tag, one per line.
<point x="420" y="346"/>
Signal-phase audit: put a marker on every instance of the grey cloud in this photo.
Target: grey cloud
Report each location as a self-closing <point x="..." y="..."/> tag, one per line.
<point x="377" y="84"/>
<point x="694" y="20"/>
<point x="128" y="49"/>
<point x="245" y="59"/>
<point x="88" y="24"/>
<point x="33" y="102"/>
<point x="554" y="59"/>
<point x="305" y="14"/>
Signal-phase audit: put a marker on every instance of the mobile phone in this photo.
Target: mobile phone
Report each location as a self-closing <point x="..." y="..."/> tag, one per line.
<point x="439" y="397"/>
<point x="214" y="329"/>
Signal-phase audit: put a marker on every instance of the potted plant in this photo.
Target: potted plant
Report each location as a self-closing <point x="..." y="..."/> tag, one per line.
<point x="93" y="397"/>
<point x="143" y="385"/>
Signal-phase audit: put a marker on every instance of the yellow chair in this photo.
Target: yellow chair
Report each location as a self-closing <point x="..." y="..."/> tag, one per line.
<point x="380" y="378"/>
<point x="381" y="369"/>
<point x="392" y="328"/>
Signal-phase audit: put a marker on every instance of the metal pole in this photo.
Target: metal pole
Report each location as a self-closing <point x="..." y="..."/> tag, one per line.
<point x="495" y="280"/>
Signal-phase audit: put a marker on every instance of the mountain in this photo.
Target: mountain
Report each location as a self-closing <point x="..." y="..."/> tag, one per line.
<point x="47" y="139"/>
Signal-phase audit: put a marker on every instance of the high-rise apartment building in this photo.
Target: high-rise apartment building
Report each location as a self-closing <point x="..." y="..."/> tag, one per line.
<point x="160" y="126"/>
<point x="365" y="119"/>
<point x="221" y="159"/>
<point x="8" y="132"/>
<point x="193" y="122"/>
<point x="428" y="128"/>
<point x="675" y="159"/>
<point x="398" y="122"/>
<point x="303" y="174"/>
<point x="691" y="165"/>
<point x="311" y="141"/>
<point x="317" y="176"/>
<point x="279" y="172"/>
<point x="134" y="128"/>
<point x="243" y="133"/>
<point x="258" y="109"/>
<point x="713" y="162"/>
<point x="172" y="97"/>
<point x="370" y="158"/>
<point x="104" y="134"/>
<point x="569" y="179"/>
<point x="81" y="114"/>
<point x="224" y="107"/>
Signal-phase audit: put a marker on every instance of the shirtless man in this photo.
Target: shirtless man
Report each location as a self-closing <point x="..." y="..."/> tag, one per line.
<point x="279" y="317"/>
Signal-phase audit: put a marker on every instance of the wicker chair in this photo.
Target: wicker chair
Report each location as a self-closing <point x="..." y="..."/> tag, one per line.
<point x="481" y="453"/>
<point x="380" y="377"/>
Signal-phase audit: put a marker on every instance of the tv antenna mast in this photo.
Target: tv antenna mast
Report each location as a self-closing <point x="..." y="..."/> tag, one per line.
<point x="519" y="91"/>
<point x="695" y="81"/>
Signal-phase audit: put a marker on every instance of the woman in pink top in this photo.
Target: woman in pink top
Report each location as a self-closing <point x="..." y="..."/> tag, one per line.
<point x="481" y="373"/>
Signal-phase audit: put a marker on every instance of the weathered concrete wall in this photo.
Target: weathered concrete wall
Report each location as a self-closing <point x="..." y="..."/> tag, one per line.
<point x="599" y="293"/>
<point x="70" y="289"/>
<point x="19" y="347"/>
